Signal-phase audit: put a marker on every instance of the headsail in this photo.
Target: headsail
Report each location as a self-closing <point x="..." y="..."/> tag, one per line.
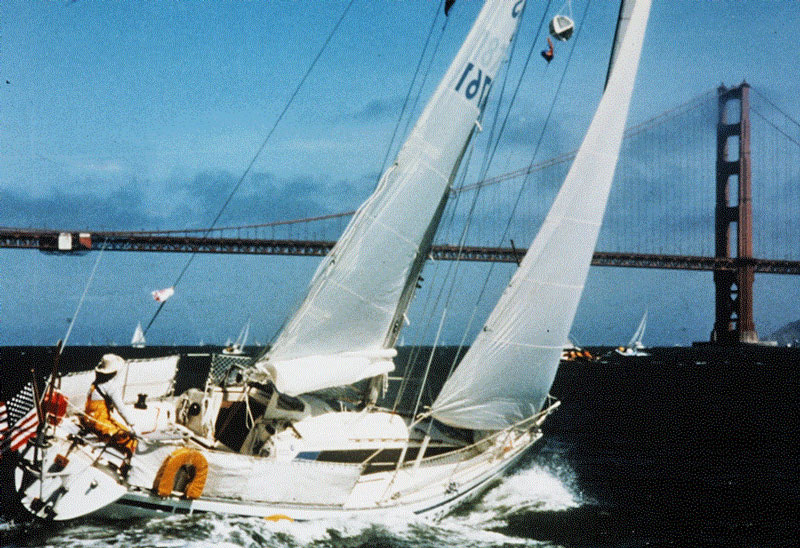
<point x="506" y="374"/>
<point x="344" y="329"/>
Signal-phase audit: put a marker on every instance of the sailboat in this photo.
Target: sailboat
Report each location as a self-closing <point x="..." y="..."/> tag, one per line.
<point x="279" y="437"/>
<point x="635" y="348"/>
<point x="237" y="348"/>
<point x="574" y="353"/>
<point x="137" y="341"/>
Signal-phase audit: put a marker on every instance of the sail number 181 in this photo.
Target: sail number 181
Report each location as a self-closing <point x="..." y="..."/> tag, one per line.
<point x="480" y="83"/>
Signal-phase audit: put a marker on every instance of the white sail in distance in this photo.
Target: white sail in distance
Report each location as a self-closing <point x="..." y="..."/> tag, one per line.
<point x="506" y="374"/>
<point x="636" y="339"/>
<point x="138" y="340"/>
<point x="344" y="329"/>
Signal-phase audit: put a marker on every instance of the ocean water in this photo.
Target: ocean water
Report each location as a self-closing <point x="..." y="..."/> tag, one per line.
<point x="690" y="447"/>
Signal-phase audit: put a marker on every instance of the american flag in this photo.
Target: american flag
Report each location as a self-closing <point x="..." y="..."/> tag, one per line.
<point x="21" y="414"/>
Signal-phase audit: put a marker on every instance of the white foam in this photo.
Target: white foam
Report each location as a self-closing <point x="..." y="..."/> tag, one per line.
<point x="536" y="487"/>
<point x="544" y="486"/>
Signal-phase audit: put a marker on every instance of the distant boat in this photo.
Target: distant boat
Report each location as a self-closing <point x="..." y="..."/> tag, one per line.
<point x="574" y="353"/>
<point x="237" y="348"/>
<point x="635" y="348"/>
<point x="137" y="341"/>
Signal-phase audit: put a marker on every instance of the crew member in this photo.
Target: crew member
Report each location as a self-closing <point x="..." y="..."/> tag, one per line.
<point x="105" y="396"/>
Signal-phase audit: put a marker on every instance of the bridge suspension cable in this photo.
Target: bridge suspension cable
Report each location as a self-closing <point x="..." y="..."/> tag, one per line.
<point x="662" y="202"/>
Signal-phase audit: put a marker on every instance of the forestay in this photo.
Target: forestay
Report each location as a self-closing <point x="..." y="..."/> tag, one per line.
<point x="506" y="374"/>
<point x="344" y="329"/>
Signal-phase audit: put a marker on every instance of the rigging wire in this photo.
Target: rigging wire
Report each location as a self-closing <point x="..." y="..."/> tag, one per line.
<point x="413" y="80"/>
<point x="83" y="297"/>
<point x="522" y="187"/>
<point x="411" y="362"/>
<point x="470" y="214"/>
<point x="453" y="267"/>
<point x="257" y="154"/>
<point x="425" y="76"/>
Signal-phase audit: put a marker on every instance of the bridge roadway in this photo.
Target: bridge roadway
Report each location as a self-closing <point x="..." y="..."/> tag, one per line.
<point x="51" y="241"/>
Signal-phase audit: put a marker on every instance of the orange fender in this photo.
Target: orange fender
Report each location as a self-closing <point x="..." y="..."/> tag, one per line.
<point x="164" y="483"/>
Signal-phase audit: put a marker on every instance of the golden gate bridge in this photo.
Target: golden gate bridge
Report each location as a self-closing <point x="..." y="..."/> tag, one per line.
<point x="690" y="193"/>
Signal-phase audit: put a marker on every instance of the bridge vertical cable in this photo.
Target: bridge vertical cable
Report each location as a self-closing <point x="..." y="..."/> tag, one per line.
<point x="776" y="179"/>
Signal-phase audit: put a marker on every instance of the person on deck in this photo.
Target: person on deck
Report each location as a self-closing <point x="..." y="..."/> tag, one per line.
<point x="105" y="397"/>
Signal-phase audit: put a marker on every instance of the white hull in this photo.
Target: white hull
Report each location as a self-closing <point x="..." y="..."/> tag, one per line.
<point x="296" y="487"/>
<point x="629" y="353"/>
<point x="435" y="504"/>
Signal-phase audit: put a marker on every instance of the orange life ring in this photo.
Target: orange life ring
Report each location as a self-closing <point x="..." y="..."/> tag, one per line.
<point x="164" y="483"/>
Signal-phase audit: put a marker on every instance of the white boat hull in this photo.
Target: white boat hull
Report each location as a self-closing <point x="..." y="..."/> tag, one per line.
<point x="91" y="483"/>
<point x="433" y="501"/>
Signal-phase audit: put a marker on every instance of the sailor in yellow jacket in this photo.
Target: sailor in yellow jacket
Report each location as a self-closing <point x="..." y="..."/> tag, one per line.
<point x="105" y="397"/>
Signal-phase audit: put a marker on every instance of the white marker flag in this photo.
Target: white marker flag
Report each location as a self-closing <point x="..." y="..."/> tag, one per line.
<point x="162" y="295"/>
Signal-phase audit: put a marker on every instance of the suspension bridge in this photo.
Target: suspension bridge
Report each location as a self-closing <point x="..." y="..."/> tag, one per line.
<point x="712" y="184"/>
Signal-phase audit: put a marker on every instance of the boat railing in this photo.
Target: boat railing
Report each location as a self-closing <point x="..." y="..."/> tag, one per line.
<point x="530" y="424"/>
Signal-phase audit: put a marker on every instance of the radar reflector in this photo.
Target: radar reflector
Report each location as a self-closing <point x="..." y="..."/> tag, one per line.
<point x="561" y="28"/>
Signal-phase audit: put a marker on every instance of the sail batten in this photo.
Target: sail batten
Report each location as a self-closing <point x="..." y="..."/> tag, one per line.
<point x="366" y="283"/>
<point x="506" y="374"/>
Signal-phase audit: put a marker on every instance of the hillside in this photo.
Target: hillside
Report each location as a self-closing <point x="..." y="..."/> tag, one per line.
<point x="788" y="334"/>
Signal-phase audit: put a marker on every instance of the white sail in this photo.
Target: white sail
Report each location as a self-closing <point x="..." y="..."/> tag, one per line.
<point x="636" y="339"/>
<point x="625" y="10"/>
<point x="137" y="341"/>
<point x="349" y="320"/>
<point x="506" y="374"/>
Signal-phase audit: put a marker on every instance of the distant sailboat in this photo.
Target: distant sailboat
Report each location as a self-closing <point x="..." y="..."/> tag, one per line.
<point x="137" y="341"/>
<point x="574" y="353"/>
<point x="237" y="348"/>
<point x="635" y="348"/>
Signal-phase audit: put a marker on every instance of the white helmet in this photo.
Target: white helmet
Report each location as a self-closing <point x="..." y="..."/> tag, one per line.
<point x="110" y="363"/>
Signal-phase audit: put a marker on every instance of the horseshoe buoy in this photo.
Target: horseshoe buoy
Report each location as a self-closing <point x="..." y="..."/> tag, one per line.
<point x="195" y="465"/>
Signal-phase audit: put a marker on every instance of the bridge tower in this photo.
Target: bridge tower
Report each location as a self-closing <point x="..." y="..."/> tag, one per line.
<point x="734" y="212"/>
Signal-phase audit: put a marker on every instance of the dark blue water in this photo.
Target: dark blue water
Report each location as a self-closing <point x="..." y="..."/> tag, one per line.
<point x="689" y="447"/>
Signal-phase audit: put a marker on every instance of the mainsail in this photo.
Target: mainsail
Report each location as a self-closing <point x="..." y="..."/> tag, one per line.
<point x="625" y="10"/>
<point x="345" y="328"/>
<point x="506" y="374"/>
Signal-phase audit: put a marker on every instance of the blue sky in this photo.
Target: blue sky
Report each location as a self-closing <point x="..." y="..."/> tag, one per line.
<point x="128" y="115"/>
